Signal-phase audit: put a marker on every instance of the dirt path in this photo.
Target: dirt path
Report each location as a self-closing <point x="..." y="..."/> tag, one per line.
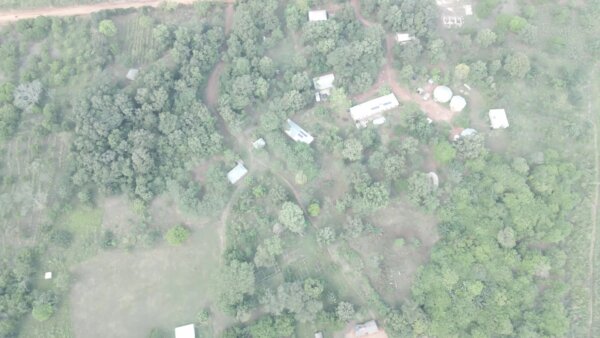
<point x="594" y="211"/>
<point x="8" y="16"/>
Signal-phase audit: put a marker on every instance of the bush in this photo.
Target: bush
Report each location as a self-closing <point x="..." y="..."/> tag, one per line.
<point x="177" y="235"/>
<point x="399" y="243"/>
<point x="314" y="209"/>
<point x="42" y="312"/>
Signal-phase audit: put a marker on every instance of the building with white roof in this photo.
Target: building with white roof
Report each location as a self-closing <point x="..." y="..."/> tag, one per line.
<point x="48" y="275"/>
<point x="403" y="37"/>
<point x="498" y="118"/>
<point x="132" y="74"/>
<point x="458" y="103"/>
<point x="323" y="85"/>
<point x="320" y="15"/>
<point x="186" y="331"/>
<point x="468" y="10"/>
<point x="298" y="134"/>
<point x="442" y="94"/>
<point x="259" y="144"/>
<point x="319" y="335"/>
<point x="372" y="109"/>
<point x="237" y="173"/>
<point x="366" y="329"/>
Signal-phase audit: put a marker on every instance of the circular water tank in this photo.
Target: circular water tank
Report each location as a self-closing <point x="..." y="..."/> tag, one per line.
<point x="458" y="103"/>
<point x="442" y="94"/>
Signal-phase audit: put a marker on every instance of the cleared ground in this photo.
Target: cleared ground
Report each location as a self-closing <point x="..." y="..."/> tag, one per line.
<point x="126" y="294"/>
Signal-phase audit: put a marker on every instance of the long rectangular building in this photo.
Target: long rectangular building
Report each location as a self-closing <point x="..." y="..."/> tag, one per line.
<point x="370" y="110"/>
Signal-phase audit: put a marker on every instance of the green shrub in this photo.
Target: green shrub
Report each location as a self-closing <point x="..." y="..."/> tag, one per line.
<point x="177" y="235"/>
<point x="42" y="312"/>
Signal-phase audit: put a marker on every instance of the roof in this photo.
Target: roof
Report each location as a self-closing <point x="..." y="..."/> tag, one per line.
<point x="237" y="173"/>
<point x="324" y="81"/>
<point x="403" y="37"/>
<point x="260" y="143"/>
<point x="186" y="331"/>
<point x="442" y="94"/>
<point x="468" y="10"/>
<point x="296" y="133"/>
<point x="367" y="328"/>
<point x="318" y="335"/>
<point x="435" y="180"/>
<point x="458" y="103"/>
<point x="468" y="132"/>
<point x="132" y="74"/>
<point x="48" y="275"/>
<point x="320" y="15"/>
<point x="372" y="108"/>
<point x="498" y="118"/>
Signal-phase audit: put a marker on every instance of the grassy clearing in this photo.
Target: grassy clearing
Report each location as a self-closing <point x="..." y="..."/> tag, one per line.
<point x="138" y="42"/>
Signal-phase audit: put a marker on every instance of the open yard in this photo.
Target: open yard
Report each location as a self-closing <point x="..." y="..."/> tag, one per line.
<point x="126" y="294"/>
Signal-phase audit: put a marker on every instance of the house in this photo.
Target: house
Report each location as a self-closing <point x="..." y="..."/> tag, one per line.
<point x="372" y="109"/>
<point x="237" y="173"/>
<point x="366" y="329"/>
<point x="323" y="85"/>
<point x="186" y="331"/>
<point x="498" y="118"/>
<point x="403" y="38"/>
<point x="132" y="74"/>
<point x="320" y="15"/>
<point x="319" y="335"/>
<point x="259" y="144"/>
<point x="48" y="275"/>
<point x="297" y="134"/>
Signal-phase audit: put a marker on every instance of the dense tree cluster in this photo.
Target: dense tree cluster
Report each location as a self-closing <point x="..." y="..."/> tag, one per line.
<point x="16" y="296"/>
<point x="417" y="17"/>
<point x="131" y="141"/>
<point x="342" y="46"/>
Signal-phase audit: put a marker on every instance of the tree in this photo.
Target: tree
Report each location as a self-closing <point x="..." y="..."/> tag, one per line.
<point x="268" y="251"/>
<point x="470" y="147"/>
<point x="340" y="103"/>
<point x="177" y="235"/>
<point x="325" y="236"/>
<point x="107" y="28"/>
<point x="9" y="121"/>
<point x="345" y="311"/>
<point x="292" y="217"/>
<point x="353" y="149"/>
<point x="486" y="37"/>
<point x="314" y="209"/>
<point x="42" y="312"/>
<point x="506" y="238"/>
<point x="517" y="65"/>
<point x="236" y="282"/>
<point x="443" y="152"/>
<point x="422" y="191"/>
<point x="461" y="72"/>
<point x="27" y="95"/>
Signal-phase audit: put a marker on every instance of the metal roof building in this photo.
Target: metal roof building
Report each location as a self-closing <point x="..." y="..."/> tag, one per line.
<point x="371" y="109"/>
<point x="323" y="85"/>
<point x="298" y="134"/>
<point x="186" y="331"/>
<point x="498" y="118"/>
<point x="320" y="15"/>
<point x="132" y="74"/>
<point x="403" y="37"/>
<point x="366" y="329"/>
<point x="237" y="173"/>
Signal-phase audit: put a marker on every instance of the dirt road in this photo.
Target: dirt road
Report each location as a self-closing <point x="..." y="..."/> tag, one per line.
<point x="9" y="16"/>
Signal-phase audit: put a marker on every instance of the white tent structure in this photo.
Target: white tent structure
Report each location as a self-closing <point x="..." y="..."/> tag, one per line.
<point x="458" y="103"/>
<point x="132" y="74"/>
<point x="320" y="15"/>
<point x="498" y="119"/>
<point x="237" y="173"/>
<point x="372" y="109"/>
<point x="186" y="331"/>
<point x="442" y="94"/>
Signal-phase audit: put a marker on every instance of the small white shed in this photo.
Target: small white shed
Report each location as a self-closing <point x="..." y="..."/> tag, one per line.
<point x="320" y="15"/>
<point x="132" y="74"/>
<point x="498" y="118"/>
<point x="403" y="37"/>
<point x="237" y="173"/>
<point x="186" y="331"/>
